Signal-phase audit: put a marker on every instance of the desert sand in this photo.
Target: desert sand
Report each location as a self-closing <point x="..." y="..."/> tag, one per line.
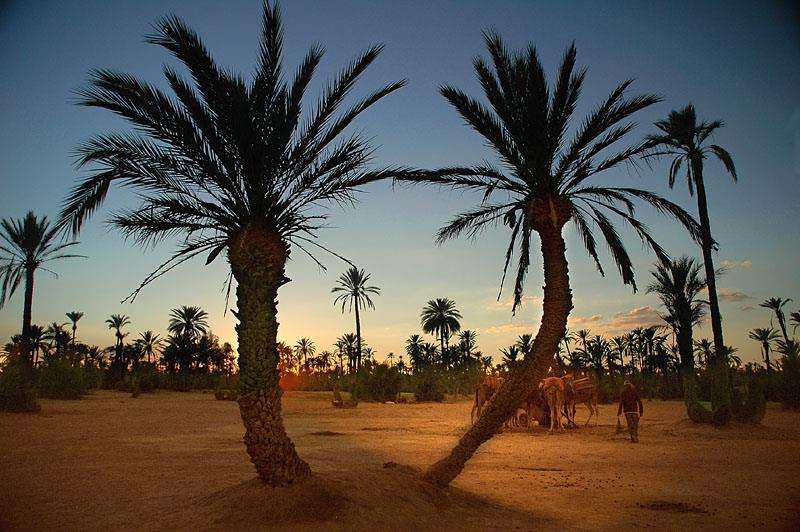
<point x="175" y="460"/>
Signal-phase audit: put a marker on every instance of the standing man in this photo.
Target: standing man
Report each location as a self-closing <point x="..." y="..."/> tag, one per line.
<point x="631" y="405"/>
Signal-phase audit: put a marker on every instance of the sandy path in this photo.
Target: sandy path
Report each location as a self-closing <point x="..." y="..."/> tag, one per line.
<point x="173" y="460"/>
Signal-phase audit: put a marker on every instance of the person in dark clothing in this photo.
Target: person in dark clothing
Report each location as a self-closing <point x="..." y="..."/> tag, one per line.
<point x="631" y="405"/>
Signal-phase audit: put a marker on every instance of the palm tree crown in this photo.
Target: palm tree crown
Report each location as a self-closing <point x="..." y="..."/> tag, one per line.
<point x="776" y="304"/>
<point x="189" y="322"/>
<point x="352" y="290"/>
<point x="544" y="175"/>
<point x="224" y="155"/>
<point x="440" y="316"/>
<point x="74" y="316"/>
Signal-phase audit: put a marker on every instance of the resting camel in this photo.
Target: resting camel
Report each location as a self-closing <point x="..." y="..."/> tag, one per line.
<point x="581" y="390"/>
<point x="554" y="389"/>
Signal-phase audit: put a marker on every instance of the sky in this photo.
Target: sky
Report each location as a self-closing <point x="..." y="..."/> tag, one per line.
<point x="736" y="61"/>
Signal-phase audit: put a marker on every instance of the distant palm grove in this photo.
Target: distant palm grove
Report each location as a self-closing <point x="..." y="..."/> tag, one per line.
<point x="240" y="169"/>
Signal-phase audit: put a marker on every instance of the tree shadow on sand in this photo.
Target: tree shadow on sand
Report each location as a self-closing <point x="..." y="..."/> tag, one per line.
<point x="391" y="497"/>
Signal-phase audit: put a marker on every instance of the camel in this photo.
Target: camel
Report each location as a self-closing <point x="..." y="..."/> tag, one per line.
<point x="553" y="389"/>
<point x="582" y="390"/>
<point x="483" y="393"/>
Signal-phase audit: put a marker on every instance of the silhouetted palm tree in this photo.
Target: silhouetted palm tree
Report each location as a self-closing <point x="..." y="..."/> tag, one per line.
<point x="231" y="166"/>
<point x="117" y="322"/>
<point x="678" y="285"/>
<point x="775" y="304"/>
<point x="354" y="293"/>
<point x="440" y="317"/>
<point x="26" y="246"/>
<point x="414" y="350"/>
<point x="543" y="184"/>
<point x="794" y="317"/>
<point x="188" y="322"/>
<point x="525" y="344"/>
<point x="468" y="340"/>
<point x="74" y="317"/>
<point x="303" y="349"/>
<point x="149" y="343"/>
<point x="703" y="350"/>
<point x="57" y="335"/>
<point x="683" y="139"/>
<point x="765" y="336"/>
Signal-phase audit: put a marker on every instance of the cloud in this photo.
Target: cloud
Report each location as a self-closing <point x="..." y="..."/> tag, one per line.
<point x="507" y="304"/>
<point x="730" y="295"/>
<point x="733" y="296"/>
<point x="508" y="329"/>
<point x="583" y="322"/>
<point x="732" y="264"/>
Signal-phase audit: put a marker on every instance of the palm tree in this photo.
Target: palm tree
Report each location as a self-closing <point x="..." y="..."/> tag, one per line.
<point x="684" y="140"/>
<point x="468" y="340"/>
<point x="543" y="183"/>
<point x="303" y="349"/>
<point x="776" y="304"/>
<point x="414" y="350"/>
<point x="149" y="343"/>
<point x="26" y="246"/>
<point x="233" y="166"/>
<point x="678" y="284"/>
<point x="188" y="322"/>
<point x="703" y="350"/>
<point x="510" y="356"/>
<point x="525" y="344"/>
<point x="765" y="336"/>
<point x="57" y="336"/>
<point x="74" y="316"/>
<point x="355" y="294"/>
<point x="117" y="322"/>
<point x="440" y="317"/>
<point x="390" y="358"/>
<point x="348" y="343"/>
<point x="37" y="342"/>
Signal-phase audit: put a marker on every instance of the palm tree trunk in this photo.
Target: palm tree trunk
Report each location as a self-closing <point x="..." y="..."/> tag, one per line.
<point x="27" y="312"/>
<point x="782" y="325"/>
<point x="358" y="337"/>
<point x="766" y="359"/>
<point x="527" y="374"/>
<point x="722" y="400"/>
<point x="257" y="260"/>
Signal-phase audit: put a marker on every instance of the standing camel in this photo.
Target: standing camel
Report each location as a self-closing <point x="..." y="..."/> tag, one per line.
<point x="554" y="391"/>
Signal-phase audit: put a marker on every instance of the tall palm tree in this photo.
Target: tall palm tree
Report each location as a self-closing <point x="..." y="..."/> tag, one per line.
<point x="684" y="139"/>
<point x="354" y="293"/>
<point x="116" y="322"/>
<point x="233" y="166"/>
<point x="188" y="322"/>
<point x="74" y="316"/>
<point x="303" y="349"/>
<point x="765" y="336"/>
<point x="776" y="304"/>
<point x="678" y="285"/>
<point x="149" y="343"/>
<point x="26" y="245"/>
<point x="440" y="316"/>
<point x="38" y="337"/>
<point x="542" y="184"/>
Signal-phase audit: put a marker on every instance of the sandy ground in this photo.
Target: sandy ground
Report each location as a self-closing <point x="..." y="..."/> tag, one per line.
<point x="172" y="460"/>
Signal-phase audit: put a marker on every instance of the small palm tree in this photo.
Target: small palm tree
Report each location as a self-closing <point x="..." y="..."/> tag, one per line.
<point x="440" y="316"/>
<point x="525" y="344"/>
<point x="233" y="166"/>
<point x="542" y="184"/>
<point x="683" y="139"/>
<point x="26" y="245"/>
<point x="415" y="351"/>
<point x="354" y="293"/>
<point x="149" y="343"/>
<point x="776" y="304"/>
<point x="57" y="335"/>
<point x="303" y="349"/>
<point x="704" y="350"/>
<point x="468" y="340"/>
<point x="74" y="316"/>
<point x="189" y="322"/>
<point x="678" y="285"/>
<point x="765" y="336"/>
<point x="116" y="322"/>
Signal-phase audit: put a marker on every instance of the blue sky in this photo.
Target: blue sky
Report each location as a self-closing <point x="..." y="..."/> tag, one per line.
<point x="738" y="61"/>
